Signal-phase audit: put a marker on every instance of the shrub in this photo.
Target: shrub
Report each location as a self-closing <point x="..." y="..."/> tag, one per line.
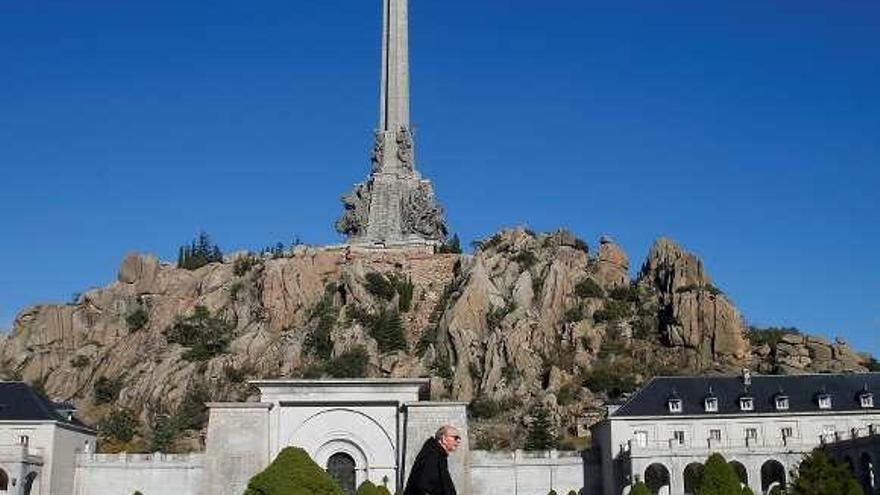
<point x="319" y="341"/>
<point x="349" y="364"/>
<point x="192" y="413"/>
<point x="404" y="288"/>
<point x="581" y="245"/>
<point x="612" y="311"/>
<point x="552" y="492"/>
<point x="106" y="390"/>
<point x="137" y="319"/>
<point x="429" y="336"/>
<point x="588" y="288"/>
<point x="525" y="259"/>
<point x="718" y="478"/>
<point x="293" y="472"/>
<point x="386" y="327"/>
<point x="567" y="394"/>
<point x="609" y="379"/>
<point x="243" y="264"/>
<point x="771" y="335"/>
<point x="367" y="488"/>
<point x="640" y="488"/>
<point x="496" y="315"/>
<point x="121" y="425"/>
<point x="628" y="293"/>
<point x="163" y="432"/>
<point x="818" y="473"/>
<point x="484" y="407"/>
<point x="380" y="286"/>
<point x="574" y="314"/>
<point x="199" y="253"/>
<point x="451" y="246"/>
<point x="203" y="334"/>
<point x="80" y="361"/>
<point x="442" y="367"/>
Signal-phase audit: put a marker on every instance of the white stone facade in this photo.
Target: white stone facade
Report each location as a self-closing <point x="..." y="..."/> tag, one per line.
<point x="37" y="457"/>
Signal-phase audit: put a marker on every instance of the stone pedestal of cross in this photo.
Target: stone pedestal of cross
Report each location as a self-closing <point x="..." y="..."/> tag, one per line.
<point x="395" y="205"/>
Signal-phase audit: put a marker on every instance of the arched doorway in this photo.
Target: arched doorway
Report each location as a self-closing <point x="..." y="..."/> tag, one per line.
<point x="657" y="478"/>
<point x="4" y="481"/>
<point x="341" y="468"/>
<point x="741" y="472"/>
<point x="693" y="475"/>
<point x="772" y="475"/>
<point x="867" y="473"/>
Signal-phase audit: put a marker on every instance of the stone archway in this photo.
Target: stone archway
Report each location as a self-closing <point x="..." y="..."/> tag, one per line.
<point x="657" y="478"/>
<point x="30" y="485"/>
<point x="867" y="474"/>
<point x="772" y="476"/>
<point x="693" y="475"/>
<point x="741" y="472"/>
<point x="341" y="468"/>
<point x="4" y="480"/>
<point x="355" y="434"/>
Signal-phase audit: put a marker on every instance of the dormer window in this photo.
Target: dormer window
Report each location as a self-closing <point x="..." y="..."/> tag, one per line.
<point x="674" y="405"/>
<point x="824" y="401"/>
<point x="711" y="404"/>
<point x="781" y="403"/>
<point x="746" y="404"/>
<point x="866" y="399"/>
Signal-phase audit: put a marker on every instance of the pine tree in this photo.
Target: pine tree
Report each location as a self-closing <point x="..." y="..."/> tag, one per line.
<point x="540" y="434"/>
<point x="719" y="478"/>
<point x="818" y="474"/>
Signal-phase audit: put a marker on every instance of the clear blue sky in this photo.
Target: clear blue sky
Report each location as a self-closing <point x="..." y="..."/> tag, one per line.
<point x="747" y="130"/>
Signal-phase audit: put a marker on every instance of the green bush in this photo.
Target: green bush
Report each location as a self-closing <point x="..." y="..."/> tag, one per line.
<point x="106" y="390"/>
<point x="771" y="335"/>
<point x="627" y="293"/>
<point x="610" y="379"/>
<point x="385" y="326"/>
<point x="496" y="315"/>
<point x="319" y="340"/>
<point x="574" y="314"/>
<point x="820" y="474"/>
<point x="484" y="407"/>
<point x="243" y="264"/>
<point x="199" y="253"/>
<point x="588" y="288"/>
<point x="442" y="367"/>
<point x="404" y="288"/>
<point x="293" y="472"/>
<point x="380" y="286"/>
<point x="80" y="361"/>
<point x="451" y="246"/>
<point x="640" y="488"/>
<point x="349" y="364"/>
<point x="613" y="311"/>
<point x="719" y="478"/>
<point x="203" y="334"/>
<point x="137" y="493"/>
<point x="567" y="394"/>
<point x="137" y="319"/>
<point x="367" y="488"/>
<point x="552" y="492"/>
<point x="526" y="259"/>
<point x="121" y="425"/>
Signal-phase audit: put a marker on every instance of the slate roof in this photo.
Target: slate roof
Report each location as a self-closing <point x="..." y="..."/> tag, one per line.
<point x="802" y="392"/>
<point x="19" y="402"/>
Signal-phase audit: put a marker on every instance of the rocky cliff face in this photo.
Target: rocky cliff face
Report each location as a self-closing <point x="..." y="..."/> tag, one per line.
<point x="526" y="320"/>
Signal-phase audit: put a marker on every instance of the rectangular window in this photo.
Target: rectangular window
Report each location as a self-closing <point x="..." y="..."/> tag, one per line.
<point x="751" y="433"/>
<point x="675" y="405"/>
<point x="787" y="432"/>
<point x="641" y="438"/>
<point x="678" y="437"/>
<point x="715" y="435"/>
<point x="824" y="402"/>
<point x="23" y="439"/>
<point x="711" y="404"/>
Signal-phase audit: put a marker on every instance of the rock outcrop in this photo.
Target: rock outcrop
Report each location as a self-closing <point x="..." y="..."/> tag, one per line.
<point x="526" y="320"/>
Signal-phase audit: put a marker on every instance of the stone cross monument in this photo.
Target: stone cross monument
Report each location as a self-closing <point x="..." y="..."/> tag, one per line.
<point x="395" y="205"/>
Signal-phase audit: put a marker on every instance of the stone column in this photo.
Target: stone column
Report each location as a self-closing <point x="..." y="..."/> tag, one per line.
<point x="237" y="446"/>
<point x="394" y="100"/>
<point x="422" y="421"/>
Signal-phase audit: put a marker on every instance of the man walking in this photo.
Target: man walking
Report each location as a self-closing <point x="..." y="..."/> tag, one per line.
<point x="430" y="470"/>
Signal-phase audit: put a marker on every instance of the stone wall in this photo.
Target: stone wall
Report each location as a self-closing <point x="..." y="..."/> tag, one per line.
<point x="151" y="474"/>
<point x="526" y="473"/>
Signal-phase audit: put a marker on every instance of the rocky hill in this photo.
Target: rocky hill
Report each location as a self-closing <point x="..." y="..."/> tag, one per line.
<point x="528" y="321"/>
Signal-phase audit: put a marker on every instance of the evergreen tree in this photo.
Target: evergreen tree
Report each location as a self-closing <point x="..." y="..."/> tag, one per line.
<point x="293" y="472"/>
<point x="640" y="488"/>
<point x="452" y="246"/>
<point x="199" y="253"/>
<point x="719" y="478"/>
<point x="367" y="488"/>
<point x="540" y="434"/>
<point x="818" y="474"/>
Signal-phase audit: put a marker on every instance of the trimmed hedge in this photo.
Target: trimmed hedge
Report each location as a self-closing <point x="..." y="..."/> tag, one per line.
<point x="293" y="472"/>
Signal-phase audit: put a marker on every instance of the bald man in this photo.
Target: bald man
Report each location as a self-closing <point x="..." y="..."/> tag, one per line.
<point x="430" y="471"/>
